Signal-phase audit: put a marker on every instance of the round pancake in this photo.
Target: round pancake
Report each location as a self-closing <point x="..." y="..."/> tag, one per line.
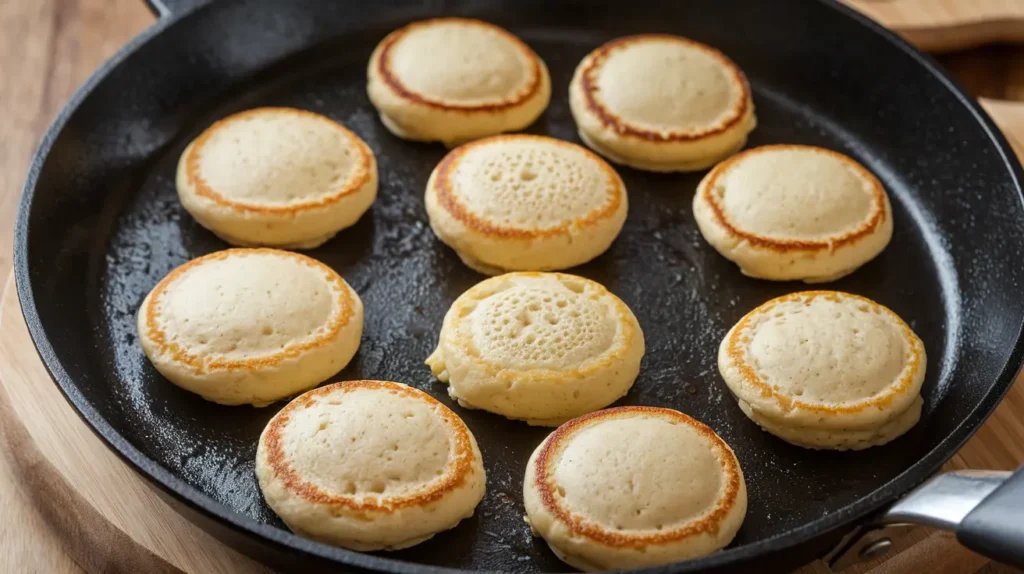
<point x="250" y="326"/>
<point x="369" y="465"/>
<point x="525" y="203"/>
<point x="661" y="103"/>
<point x="631" y="487"/>
<point x="539" y="347"/>
<point x="278" y="177"/>
<point x="456" y="79"/>
<point x="823" y="360"/>
<point x="785" y="212"/>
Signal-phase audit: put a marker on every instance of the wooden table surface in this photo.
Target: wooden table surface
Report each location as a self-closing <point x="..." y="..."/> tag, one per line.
<point x="49" y="47"/>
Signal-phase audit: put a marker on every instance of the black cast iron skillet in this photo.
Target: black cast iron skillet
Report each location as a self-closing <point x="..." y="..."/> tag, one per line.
<point x="100" y="224"/>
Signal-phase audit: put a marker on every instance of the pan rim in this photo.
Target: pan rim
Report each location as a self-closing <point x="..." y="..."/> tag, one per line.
<point x="210" y="509"/>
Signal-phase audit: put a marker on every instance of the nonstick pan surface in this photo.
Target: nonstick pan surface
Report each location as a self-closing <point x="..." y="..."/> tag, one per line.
<point x="100" y="225"/>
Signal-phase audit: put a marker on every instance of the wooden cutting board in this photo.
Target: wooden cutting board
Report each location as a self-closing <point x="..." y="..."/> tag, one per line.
<point x="70" y="505"/>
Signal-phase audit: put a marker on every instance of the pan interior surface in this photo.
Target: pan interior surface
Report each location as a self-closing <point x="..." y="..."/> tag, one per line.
<point x="105" y="225"/>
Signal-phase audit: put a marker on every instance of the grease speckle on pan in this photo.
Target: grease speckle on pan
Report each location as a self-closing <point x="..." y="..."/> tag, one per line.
<point x="108" y="187"/>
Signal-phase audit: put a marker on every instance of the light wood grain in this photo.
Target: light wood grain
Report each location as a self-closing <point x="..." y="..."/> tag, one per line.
<point x="113" y="508"/>
<point x="1010" y="118"/>
<point x="105" y="518"/>
<point x="47" y="48"/>
<point x="27" y="543"/>
<point x="947" y="25"/>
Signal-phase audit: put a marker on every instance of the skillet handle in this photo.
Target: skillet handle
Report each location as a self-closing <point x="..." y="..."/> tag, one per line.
<point x="167" y="8"/>
<point x="995" y="527"/>
<point x="984" y="508"/>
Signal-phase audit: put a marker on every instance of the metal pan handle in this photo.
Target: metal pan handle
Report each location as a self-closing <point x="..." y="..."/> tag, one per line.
<point x="995" y="526"/>
<point x="984" y="508"/>
<point x="167" y="8"/>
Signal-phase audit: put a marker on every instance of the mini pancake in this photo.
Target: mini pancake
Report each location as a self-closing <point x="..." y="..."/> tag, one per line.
<point x="277" y="177"/>
<point x="661" y="103"/>
<point x="824" y="369"/>
<point x="539" y="347"/>
<point x="786" y="212"/>
<point x="525" y="203"/>
<point x="456" y="79"/>
<point x="631" y="487"/>
<point x="369" y="465"/>
<point x="250" y="326"/>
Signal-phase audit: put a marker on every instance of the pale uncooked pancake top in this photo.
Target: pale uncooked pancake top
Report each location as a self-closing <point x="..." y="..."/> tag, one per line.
<point x="541" y="323"/>
<point x="529" y="183"/>
<point x="638" y="473"/>
<point x="795" y="193"/>
<point x="667" y="85"/>
<point x="278" y="157"/>
<point x="241" y="305"/>
<point x="367" y="443"/>
<point x="462" y="62"/>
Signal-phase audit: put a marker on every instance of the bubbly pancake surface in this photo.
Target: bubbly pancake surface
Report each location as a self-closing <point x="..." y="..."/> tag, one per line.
<point x="277" y="159"/>
<point x="460" y="63"/>
<point x="516" y="185"/>
<point x="539" y="347"/>
<point x="526" y="327"/>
